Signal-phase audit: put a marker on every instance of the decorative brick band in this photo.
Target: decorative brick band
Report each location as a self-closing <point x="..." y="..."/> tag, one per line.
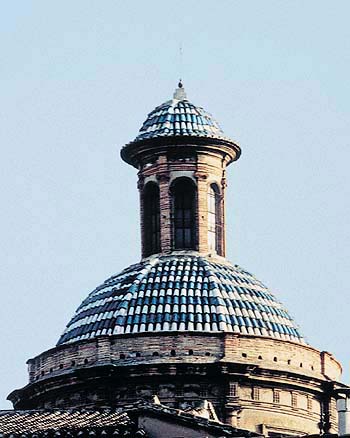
<point x="189" y="347"/>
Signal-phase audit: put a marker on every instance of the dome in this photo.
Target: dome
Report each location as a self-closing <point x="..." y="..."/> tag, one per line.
<point x="179" y="117"/>
<point x="183" y="291"/>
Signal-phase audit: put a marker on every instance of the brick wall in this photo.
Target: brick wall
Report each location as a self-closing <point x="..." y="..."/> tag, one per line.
<point x="188" y="347"/>
<point x="280" y="354"/>
<point x="204" y="168"/>
<point x="239" y="374"/>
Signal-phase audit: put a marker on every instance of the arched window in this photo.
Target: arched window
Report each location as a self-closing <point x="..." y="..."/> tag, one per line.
<point x="183" y="199"/>
<point x="214" y="219"/>
<point x="151" y="223"/>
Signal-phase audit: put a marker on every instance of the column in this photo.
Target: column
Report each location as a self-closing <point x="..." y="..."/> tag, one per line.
<point x="165" y="212"/>
<point x="202" y="211"/>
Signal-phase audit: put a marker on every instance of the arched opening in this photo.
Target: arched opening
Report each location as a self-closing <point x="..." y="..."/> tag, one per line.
<point x="214" y="219"/>
<point x="151" y="221"/>
<point x="183" y="202"/>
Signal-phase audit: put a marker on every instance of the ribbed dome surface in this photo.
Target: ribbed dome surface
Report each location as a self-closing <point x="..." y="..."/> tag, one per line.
<point x="181" y="292"/>
<point x="179" y="117"/>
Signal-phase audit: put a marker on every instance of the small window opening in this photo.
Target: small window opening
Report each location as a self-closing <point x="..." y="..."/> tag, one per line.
<point x="244" y="354"/>
<point x="173" y="352"/>
<point x="179" y="391"/>
<point x="138" y="354"/>
<point x="255" y="393"/>
<point x="289" y="361"/>
<point x="276" y="396"/>
<point x="61" y="366"/>
<point x="275" y="359"/>
<point x="86" y="361"/>
<point x="73" y="363"/>
<point x="207" y="353"/>
<point x="233" y="389"/>
<point x="214" y="219"/>
<point x="260" y="357"/>
<point x="151" y="225"/>
<point x="183" y="201"/>
<point x="203" y="392"/>
<point x="122" y="356"/>
<point x="155" y="353"/>
<point x="190" y="352"/>
<point x="309" y="404"/>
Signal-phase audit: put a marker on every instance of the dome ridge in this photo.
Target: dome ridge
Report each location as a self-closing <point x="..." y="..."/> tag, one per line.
<point x="180" y="117"/>
<point x="182" y="291"/>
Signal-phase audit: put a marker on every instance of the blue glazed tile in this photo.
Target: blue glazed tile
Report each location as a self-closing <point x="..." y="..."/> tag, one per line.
<point x="179" y="117"/>
<point x="206" y="296"/>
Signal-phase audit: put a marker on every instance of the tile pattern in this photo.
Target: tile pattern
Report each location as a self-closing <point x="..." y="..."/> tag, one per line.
<point x="181" y="292"/>
<point x="108" y="423"/>
<point x="179" y="117"/>
<point x="30" y="422"/>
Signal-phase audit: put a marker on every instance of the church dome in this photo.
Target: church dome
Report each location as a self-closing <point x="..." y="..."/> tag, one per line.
<point x="179" y="117"/>
<point x="184" y="324"/>
<point x="183" y="291"/>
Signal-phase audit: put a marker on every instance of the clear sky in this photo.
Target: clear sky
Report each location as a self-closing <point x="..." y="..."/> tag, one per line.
<point x="77" y="79"/>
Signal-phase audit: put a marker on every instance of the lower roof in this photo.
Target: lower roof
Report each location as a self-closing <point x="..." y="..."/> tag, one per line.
<point x="105" y="423"/>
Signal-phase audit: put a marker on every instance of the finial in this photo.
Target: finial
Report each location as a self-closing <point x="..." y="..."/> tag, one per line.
<point x="180" y="93"/>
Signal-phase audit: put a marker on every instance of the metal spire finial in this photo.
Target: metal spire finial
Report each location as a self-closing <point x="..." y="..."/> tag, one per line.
<point x="180" y="93"/>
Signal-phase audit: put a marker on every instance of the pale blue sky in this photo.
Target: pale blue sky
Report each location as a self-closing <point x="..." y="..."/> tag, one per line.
<point x="77" y="79"/>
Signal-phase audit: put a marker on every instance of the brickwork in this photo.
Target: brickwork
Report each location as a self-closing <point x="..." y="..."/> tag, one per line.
<point x="223" y="212"/>
<point x="263" y="384"/>
<point x="128" y="350"/>
<point x="165" y="213"/>
<point x="140" y="186"/>
<point x="281" y="355"/>
<point x="202" y="212"/>
<point x="204" y="167"/>
<point x="190" y="348"/>
<point x="238" y="374"/>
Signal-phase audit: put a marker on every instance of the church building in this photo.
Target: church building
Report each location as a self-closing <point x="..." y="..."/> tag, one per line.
<point x="182" y="343"/>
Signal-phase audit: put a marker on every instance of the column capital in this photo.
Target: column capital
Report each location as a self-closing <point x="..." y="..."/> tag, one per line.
<point x="163" y="177"/>
<point x="140" y="182"/>
<point x="201" y="176"/>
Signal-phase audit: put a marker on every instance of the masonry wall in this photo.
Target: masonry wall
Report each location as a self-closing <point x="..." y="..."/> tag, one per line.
<point x="203" y="169"/>
<point x="160" y="428"/>
<point x="280" y="355"/>
<point x="253" y="382"/>
<point x="175" y="347"/>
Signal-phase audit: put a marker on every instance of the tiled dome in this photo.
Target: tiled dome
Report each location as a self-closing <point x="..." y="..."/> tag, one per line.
<point x="179" y="117"/>
<point x="181" y="292"/>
